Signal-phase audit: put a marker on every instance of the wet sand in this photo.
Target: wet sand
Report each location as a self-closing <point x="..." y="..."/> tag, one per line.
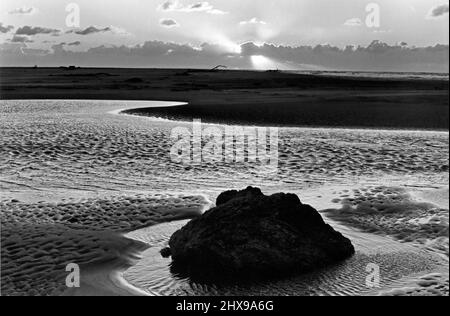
<point x="106" y="279"/>
<point x="246" y="97"/>
<point x="40" y="239"/>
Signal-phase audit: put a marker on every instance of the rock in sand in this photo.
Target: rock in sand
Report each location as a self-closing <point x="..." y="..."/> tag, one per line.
<point x="251" y="235"/>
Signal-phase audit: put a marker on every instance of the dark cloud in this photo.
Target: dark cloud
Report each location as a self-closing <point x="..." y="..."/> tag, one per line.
<point x="36" y="30"/>
<point x="60" y="47"/>
<point x="199" y="6"/>
<point x="77" y="43"/>
<point x="439" y="11"/>
<point x="168" y="23"/>
<point x="91" y="30"/>
<point x="95" y="30"/>
<point x="377" y="56"/>
<point x="20" y="39"/>
<point x="6" y="28"/>
<point x="168" y="6"/>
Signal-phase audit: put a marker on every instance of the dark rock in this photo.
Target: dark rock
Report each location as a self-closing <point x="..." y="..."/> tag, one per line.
<point x="230" y="195"/>
<point x="251" y="235"/>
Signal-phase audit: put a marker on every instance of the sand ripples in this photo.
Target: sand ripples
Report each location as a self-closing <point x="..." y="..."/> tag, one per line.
<point x="77" y="145"/>
<point x="71" y="172"/>
<point x="38" y="240"/>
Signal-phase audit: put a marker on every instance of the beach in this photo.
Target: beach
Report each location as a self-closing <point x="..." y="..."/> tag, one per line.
<point x="414" y="101"/>
<point x="87" y="178"/>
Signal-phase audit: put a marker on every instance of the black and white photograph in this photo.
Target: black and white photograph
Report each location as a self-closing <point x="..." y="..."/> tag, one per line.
<point x="222" y="155"/>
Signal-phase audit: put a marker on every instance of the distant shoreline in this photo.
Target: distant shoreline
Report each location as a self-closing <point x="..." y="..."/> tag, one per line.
<point x="268" y="98"/>
<point x="230" y="69"/>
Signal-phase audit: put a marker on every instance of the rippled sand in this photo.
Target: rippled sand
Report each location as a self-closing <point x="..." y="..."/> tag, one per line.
<point x="48" y="146"/>
<point x="74" y="175"/>
<point x="39" y="240"/>
<point x="394" y="212"/>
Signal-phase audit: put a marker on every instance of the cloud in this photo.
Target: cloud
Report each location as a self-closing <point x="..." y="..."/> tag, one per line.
<point x="119" y="31"/>
<point x="95" y="30"/>
<point x="11" y="48"/>
<point x="20" y="39"/>
<point x="353" y="22"/>
<point x="378" y="56"/>
<point x="61" y="45"/>
<point x="253" y="21"/>
<point x="36" y="30"/>
<point x="91" y="30"/>
<point x="203" y="6"/>
<point x="23" y="11"/>
<point x="199" y="6"/>
<point x="168" y="23"/>
<point x="5" y="28"/>
<point x="438" y="11"/>
<point x="23" y="51"/>
<point x="59" y="48"/>
<point x="169" y="6"/>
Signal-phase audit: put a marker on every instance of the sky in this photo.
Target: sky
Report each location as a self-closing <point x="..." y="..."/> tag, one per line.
<point x="403" y="35"/>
